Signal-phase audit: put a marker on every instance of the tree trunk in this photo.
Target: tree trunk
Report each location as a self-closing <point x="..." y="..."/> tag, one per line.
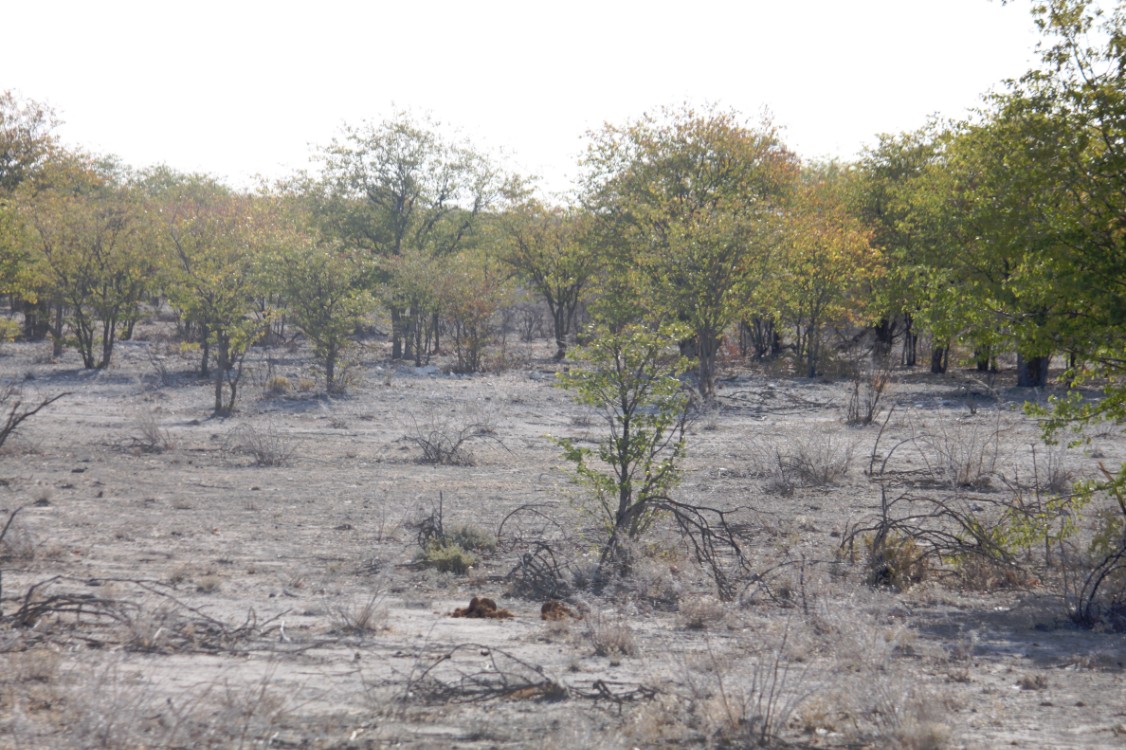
<point x="984" y="360"/>
<point x="559" y="324"/>
<point x="910" y="342"/>
<point x="222" y="357"/>
<point x="396" y="333"/>
<point x="36" y="320"/>
<point x="1032" y="372"/>
<point x="57" y="333"/>
<point x="938" y="359"/>
<point x="885" y="337"/>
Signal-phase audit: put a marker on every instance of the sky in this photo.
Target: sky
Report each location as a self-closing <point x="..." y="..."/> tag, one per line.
<point x="239" y="88"/>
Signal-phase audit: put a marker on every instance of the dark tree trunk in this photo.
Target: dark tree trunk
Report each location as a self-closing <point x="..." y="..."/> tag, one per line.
<point x="984" y="360"/>
<point x="1032" y="372"/>
<point x="939" y="356"/>
<point x="57" y="332"/>
<point x="885" y="337"/>
<point x="205" y="351"/>
<point x="36" y="320"/>
<point x="910" y="342"/>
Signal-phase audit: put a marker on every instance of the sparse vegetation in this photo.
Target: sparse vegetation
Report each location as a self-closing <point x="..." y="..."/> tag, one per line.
<point x="746" y="582"/>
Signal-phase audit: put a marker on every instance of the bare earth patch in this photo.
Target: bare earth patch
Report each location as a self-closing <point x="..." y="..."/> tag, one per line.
<point x="267" y="580"/>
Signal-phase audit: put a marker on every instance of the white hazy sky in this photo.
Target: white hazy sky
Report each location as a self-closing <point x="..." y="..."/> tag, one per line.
<point x="242" y="87"/>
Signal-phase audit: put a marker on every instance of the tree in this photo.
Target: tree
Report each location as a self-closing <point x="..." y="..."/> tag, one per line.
<point x="27" y="140"/>
<point x="471" y="287"/>
<point x="217" y="241"/>
<point x="888" y="174"/>
<point x="399" y="187"/>
<point x="551" y="252"/>
<point x="91" y="250"/>
<point x="827" y="263"/>
<point x="323" y="289"/>
<point x="632" y="378"/>
<point x="687" y="202"/>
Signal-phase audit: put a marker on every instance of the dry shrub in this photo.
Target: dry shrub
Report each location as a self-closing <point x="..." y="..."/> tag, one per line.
<point x="748" y="699"/>
<point x="610" y="636"/>
<point x="817" y="460"/>
<point x="17" y="542"/>
<point x="267" y="447"/>
<point x="964" y="455"/>
<point x="981" y="573"/>
<point x="906" y="716"/>
<point x="149" y="436"/>
<point x="894" y="560"/>
<point x="701" y="612"/>
<point x="868" y="388"/>
<point x="444" y="439"/>
<point x="278" y="385"/>
<point x="364" y="618"/>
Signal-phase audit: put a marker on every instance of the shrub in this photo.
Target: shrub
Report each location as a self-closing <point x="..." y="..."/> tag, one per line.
<point x="446" y="557"/>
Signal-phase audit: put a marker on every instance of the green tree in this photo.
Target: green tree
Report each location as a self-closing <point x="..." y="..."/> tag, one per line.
<point x="218" y="242"/>
<point x="827" y="263"/>
<point x="472" y="287"/>
<point x="551" y="252"/>
<point x="888" y="174"/>
<point x="325" y="295"/>
<point x="91" y="250"/>
<point x="398" y="187"/>
<point x="687" y="203"/>
<point x="631" y="376"/>
<point x="27" y="142"/>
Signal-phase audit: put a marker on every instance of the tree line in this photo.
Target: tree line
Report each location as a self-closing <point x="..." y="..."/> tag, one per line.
<point x="995" y="234"/>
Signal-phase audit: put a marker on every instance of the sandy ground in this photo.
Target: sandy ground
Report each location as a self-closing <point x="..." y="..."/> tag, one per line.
<point x="194" y="598"/>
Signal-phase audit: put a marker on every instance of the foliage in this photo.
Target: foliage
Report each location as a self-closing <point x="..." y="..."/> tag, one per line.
<point x="551" y="251"/>
<point x="687" y="204"/>
<point x="323" y="289"/>
<point x="26" y="138"/>
<point x="826" y="264"/>
<point x="216" y="240"/>
<point x="90" y="249"/>
<point x="631" y="377"/>
<point x="399" y="187"/>
<point x="472" y="288"/>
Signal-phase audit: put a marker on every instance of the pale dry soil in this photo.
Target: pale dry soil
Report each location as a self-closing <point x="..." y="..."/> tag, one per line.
<point x="216" y="602"/>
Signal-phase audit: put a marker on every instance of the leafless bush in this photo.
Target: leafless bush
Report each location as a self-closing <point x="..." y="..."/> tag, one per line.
<point x="367" y="617"/>
<point x="1051" y="471"/>
<point x="1095" y="578"/>
<point x="149" y="436"/>
<point x="907" y="717"/>
<point x="472" y="672"/>
<point x="266" y="446"/>
<point x="17" y="542"/>
<point x="754" y="708"/>
<point x="868" y="388"/>
<point x="12" y="402"/>
<point x="965" y="455"/>
<point x="701" y="612"/>
<point x="443" y="438"/>
<point x="610" y="635"/>
<point x="541" y="574"/>
<point x="814" y="461"/>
